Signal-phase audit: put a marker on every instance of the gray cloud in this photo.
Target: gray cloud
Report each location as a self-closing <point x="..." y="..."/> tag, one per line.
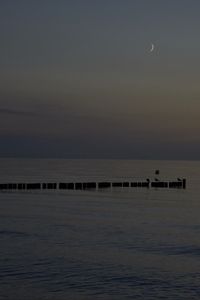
<point x="9" y="111"/>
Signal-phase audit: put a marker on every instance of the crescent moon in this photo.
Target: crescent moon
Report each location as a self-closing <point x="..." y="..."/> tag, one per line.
<point x="152" y="47"/>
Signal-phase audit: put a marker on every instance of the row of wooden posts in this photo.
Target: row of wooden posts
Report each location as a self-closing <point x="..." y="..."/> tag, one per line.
<point x="94" y="185"/>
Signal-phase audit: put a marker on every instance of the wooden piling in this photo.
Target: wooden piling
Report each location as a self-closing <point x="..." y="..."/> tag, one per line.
<point x="184" y="183"/>
<point x="104" y="185"/>
<point x="66" y="186"/>
<point x="116" y="184"/>
<point x="78" y="186"/>
<point x="91" y="185"/>
<point x="181" y="184"/>
<point x="159" y="184"/>
<point x="125" y="184"/>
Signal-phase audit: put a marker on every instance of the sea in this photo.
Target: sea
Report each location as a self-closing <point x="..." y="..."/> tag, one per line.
<point x="120" y="243"/>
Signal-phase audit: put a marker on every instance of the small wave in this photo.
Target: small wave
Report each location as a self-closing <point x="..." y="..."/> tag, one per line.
<point x="174" y="250"/>
<point x="13" y="233"/>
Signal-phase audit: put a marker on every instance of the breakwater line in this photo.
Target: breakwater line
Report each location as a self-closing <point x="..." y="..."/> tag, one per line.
<point x="91" y="185"/>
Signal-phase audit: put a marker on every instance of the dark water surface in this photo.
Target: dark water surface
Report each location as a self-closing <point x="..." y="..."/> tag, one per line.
<point x="119" y="244"/>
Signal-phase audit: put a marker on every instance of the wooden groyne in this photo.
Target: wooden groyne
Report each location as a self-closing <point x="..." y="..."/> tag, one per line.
<point x="178" y="184"/>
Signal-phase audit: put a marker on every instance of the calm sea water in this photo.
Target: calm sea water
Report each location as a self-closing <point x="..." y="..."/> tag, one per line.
<point x="119" y="244"/>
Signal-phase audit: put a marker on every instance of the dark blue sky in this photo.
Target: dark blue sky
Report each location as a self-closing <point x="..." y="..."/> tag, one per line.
<point x="77" y="79"/>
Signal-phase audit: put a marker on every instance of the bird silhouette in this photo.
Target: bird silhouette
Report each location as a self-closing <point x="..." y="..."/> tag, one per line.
<point x="156" y="179"/>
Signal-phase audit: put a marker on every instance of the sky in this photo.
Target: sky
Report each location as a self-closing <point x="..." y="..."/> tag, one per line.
<point x="78" y="80"/>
